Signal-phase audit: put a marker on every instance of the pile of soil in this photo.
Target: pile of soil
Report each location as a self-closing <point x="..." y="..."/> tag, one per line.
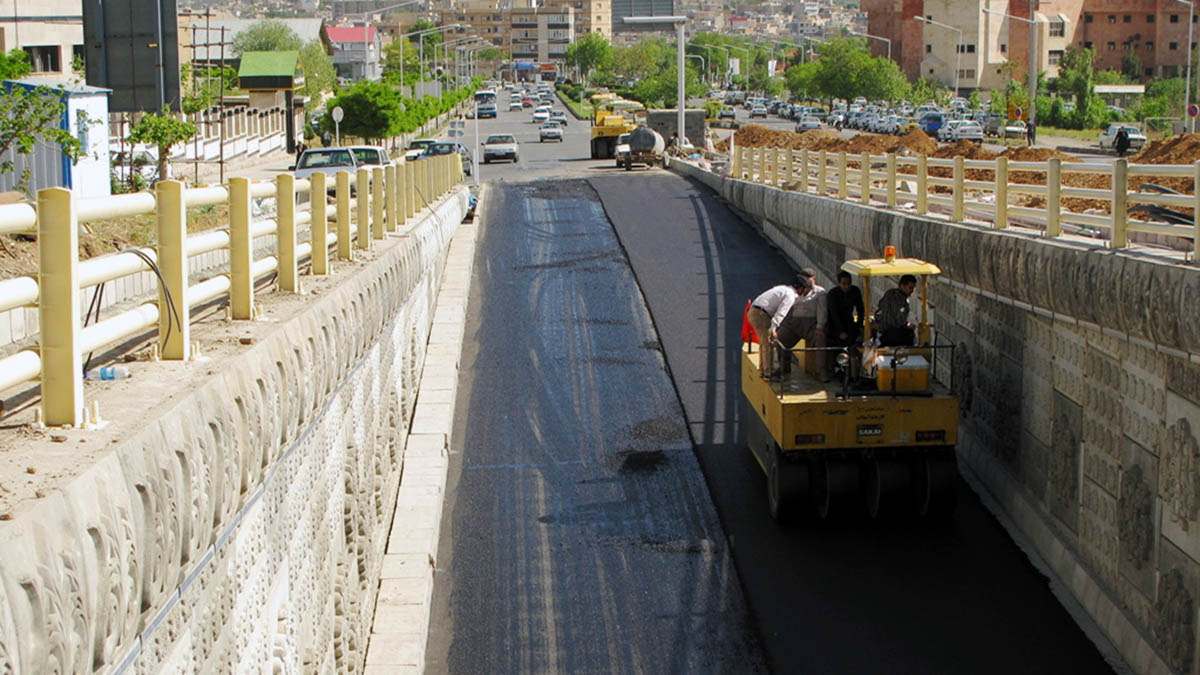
<point x="1182" y="149"/>
<point x="967" y="149"/>
<point x="914" y="142"/>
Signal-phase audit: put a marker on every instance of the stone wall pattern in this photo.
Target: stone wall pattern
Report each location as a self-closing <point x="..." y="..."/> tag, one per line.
<point x="1078" y="371"/>
<point x="243" y="530"/>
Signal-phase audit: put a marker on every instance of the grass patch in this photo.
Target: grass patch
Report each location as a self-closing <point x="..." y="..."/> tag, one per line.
<point x="1089" y="135"/>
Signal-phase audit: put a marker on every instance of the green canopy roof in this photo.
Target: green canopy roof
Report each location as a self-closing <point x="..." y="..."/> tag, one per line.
<point x="270" y="71"/>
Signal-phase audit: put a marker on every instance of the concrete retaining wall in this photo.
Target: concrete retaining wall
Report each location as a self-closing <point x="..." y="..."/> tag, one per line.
<point x="243" y="528"/>
<point x="1079" y="374"/>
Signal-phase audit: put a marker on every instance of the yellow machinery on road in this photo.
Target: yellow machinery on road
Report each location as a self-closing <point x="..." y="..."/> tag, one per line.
<point x="882" y="442"/>
<point x="612" y="117"/>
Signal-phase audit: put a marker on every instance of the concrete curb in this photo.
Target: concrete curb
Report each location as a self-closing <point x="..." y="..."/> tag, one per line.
<point x="401" y="625"/>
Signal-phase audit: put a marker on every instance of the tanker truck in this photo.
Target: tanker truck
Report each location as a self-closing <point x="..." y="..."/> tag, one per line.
<point x="643" y="146"/>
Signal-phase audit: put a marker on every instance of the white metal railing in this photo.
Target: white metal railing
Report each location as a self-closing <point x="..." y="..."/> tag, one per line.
<point x="387" y="197"/>
<point x="888" y="178"/>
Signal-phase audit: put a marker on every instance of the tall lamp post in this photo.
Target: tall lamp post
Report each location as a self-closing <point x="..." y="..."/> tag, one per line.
<point x="881" y="38"/>
<point x="1187" y="99"/>
<point x="367" y="36"/>
<point x="1033" y="59"/>
<point x="957" y="48"/>
<point x="678" y="21"/>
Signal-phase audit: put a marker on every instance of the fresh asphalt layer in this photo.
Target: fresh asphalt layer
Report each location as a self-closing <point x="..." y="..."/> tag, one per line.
<point x="855" y="598"/>
<point x="579" y="531"/>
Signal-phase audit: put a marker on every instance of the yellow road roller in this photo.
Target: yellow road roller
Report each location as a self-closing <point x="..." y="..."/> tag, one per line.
<point x="877" y="439"/>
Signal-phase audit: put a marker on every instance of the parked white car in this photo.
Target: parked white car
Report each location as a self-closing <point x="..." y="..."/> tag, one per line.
<point x="807" y="123"/>
<point x="946" y="133"/>
<point x="416" y="147"/>
<point x="968" y="130"/>
<point x="1108" y="137"/>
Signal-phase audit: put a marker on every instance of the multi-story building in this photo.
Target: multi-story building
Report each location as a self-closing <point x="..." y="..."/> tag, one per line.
<point x="354" y="51"/>
<point x="540" y="34"/>
<point x="591" y="16"/>
<point x="985" y="50"/>
<point x="50" y="31"/>
<point x="484" y="17"/>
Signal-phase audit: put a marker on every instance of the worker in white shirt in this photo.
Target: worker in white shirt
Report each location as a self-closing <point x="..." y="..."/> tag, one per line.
<point x="806" y="321"/>
<point x="767" y="311"/>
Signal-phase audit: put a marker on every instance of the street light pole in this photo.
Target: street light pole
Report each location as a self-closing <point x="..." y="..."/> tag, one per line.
<point x="367" y="39"/>
<point x="679" y="21"/>
<point x="957" y="48"/>
<point x="877" y="37"/>
<point x="703" y="67"/>
<point x="1033" y="54"/>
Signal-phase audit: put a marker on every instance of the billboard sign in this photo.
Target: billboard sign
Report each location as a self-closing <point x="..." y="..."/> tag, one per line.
<point x="735" y="66"/>
<point x="132" y="48"/>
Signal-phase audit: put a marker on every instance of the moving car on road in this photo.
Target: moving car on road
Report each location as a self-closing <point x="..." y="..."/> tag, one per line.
<point x="559" y="116"/>
<point x="541" y="114"/>
<point x="726" y="113"/>
<point x="550" y="131"/>
<point x="486" y="110"/>
<point x="500" y="146"/>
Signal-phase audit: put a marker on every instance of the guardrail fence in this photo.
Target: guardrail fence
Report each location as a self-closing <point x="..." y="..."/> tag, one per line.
<point x="387" y="197"/>
<point x="886" y="179"/>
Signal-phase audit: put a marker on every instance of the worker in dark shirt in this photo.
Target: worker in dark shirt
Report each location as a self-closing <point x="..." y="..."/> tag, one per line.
<point x="846" y="311"/>
<point x="891" y="317"/>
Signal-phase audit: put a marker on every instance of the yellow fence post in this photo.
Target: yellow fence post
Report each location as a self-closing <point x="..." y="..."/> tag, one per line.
<point x="362" y="216"/>
<point x="457" y="164"/>
<point x="736" y="159"/>
<point x="1001" y="192"/>
<point x="823" y="174"/>
<point x="957" y="197"/>
<point x="377" y="203"/>
<point x="1120" y="203"/>
<point x="922" y="184"/>
<point x="788" y="168"/>
<point x="1196" y="215"/>
<point x="392" y="219"/>
<point x="891" y="180"/>
<point x="865" y="178"/>
<point x="174" y="328"/>
<point x="320" y="223"/>
<point x="410" y="190"/>
<point x="804" y="170"/>
<point x="285" y="232"/>
<point x="1054" y="197"/>
<point x="59" y="307"/>
<point x="843" y="179"/>
<point x="241" y="251"/>
<point x="401" y="196"/>
<point x="342" y="196"/>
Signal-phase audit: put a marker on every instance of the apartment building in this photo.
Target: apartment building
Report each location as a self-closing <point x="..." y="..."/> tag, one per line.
<point x="355" y="51"/>
<point x="50" y="31"/>
<point x="985" y="50"/>
<point x="485" y="18"/>
<point x="540" y="34"/>
<point x="591" y="16"/>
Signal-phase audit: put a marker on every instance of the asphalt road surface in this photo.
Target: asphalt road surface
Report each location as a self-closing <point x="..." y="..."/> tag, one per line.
<point x="600" y="514"/>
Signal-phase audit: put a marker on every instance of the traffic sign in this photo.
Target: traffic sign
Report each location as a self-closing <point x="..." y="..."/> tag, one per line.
<point x="1193" y="110"/>
<point x="337" y="113"/>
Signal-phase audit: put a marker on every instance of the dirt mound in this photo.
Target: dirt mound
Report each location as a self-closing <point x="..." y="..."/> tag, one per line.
<point x="1023" y="153"/>
<point x="756" y="136"/>
<point x="968" y="149"/>
<point x="918" y="143"/>
<point x="1182" y="149"/>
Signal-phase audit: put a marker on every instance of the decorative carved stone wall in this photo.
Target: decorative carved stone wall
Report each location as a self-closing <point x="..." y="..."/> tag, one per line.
<point x="243" y="530"/>
<point x="1078" y="372"/>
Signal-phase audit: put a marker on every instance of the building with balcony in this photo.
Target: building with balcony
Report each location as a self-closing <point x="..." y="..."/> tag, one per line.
<point x="591" y="16"/>
<point x="354" y="51"/>
<point x="996" y="48"/>
<point x="540" y="34"/>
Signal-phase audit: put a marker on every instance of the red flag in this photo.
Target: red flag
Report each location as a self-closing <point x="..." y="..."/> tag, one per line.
<point x="748" y="334"/>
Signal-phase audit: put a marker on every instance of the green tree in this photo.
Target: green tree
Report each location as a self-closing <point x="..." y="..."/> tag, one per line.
<point x="319" y="74"/>
<point x="974" y="101"/>
<point x="30" y="116"/>
<point x="639" y="61"/>
<point x="392" y="66"/>
<point x="14" y="65"/>
<point x="373" y="110"/>
<point x="588" y="53"/>
<point x="163" y="131"/>
<point x="267" y="36"/>
<point x="661" y="89"/>
<point x="1131" y="66"/>
<point x="1117" y="76"/>
<point x="1076" y="79"/>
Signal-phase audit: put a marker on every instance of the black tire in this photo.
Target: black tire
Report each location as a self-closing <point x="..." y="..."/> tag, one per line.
<point x="787" y="489"/>
<point x="936" y="483"/>
<point x="835" y="489"/>
<point x="887" y="486"/>
<point x="629" y="164"/>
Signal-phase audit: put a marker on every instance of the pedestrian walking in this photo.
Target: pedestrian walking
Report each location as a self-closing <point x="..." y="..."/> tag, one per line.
<point x="1031" y="133"/>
